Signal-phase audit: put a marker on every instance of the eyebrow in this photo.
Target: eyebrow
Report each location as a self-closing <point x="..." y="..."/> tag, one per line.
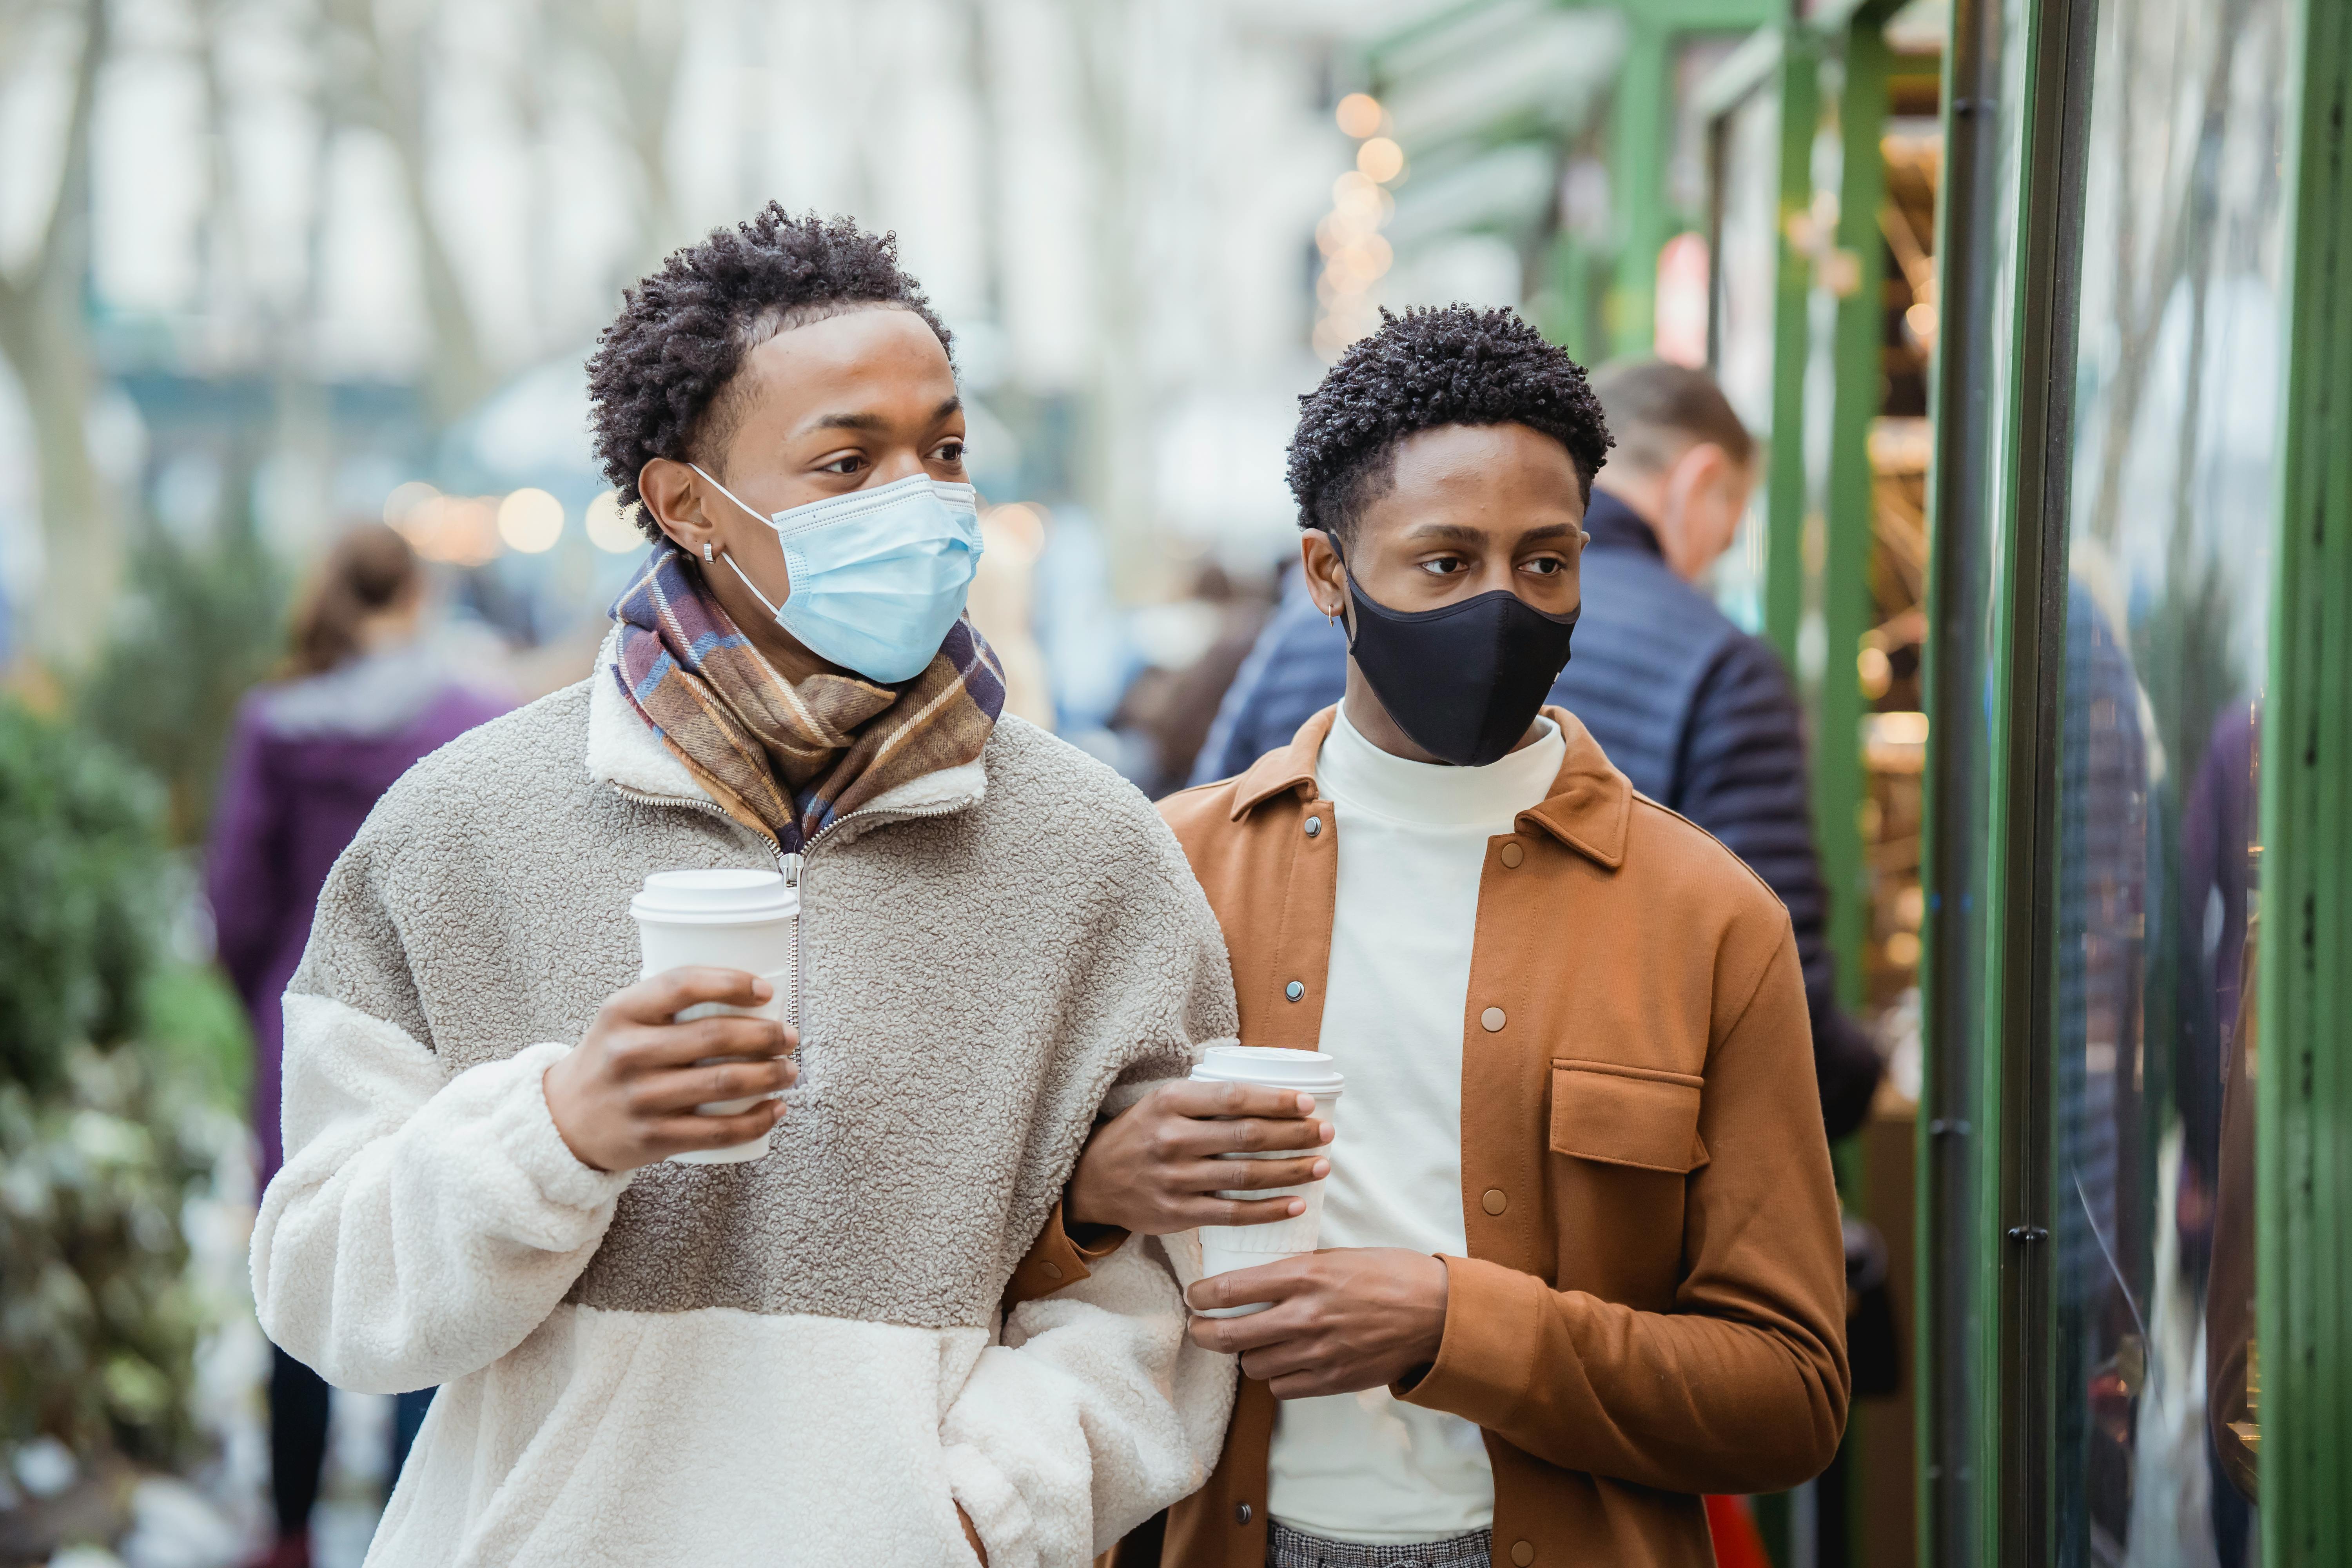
<point x="1456" y="533"/>
<point x="875" y="421"/>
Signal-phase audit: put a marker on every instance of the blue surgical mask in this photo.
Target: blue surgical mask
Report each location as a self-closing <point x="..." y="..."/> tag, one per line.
<point x="877" y="575"/>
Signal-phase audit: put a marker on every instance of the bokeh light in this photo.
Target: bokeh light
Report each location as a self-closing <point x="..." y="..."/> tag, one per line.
<point x="1360" y="115"/>
<point x="610" y="528"/>
<point x="1380" y="159"/>
<point x="404" y="500"/>
<point x="530" y="520"/>
<point x="1016" y="531"/>
<point x="456" y="531"/>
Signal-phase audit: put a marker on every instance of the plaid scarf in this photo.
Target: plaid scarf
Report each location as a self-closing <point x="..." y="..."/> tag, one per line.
<point x="783" y="759"/>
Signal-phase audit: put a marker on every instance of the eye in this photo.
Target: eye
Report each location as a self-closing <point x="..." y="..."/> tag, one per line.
<point x="1445" y="565"/>
<point x="949" y="451"/>
<point x="1545" y="566"/>
<point x="848" y="463"/>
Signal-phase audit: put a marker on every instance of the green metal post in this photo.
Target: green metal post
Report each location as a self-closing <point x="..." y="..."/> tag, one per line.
<point x="1641" y="120"/>
<point x="1564" y="307"/>
<point x="1784" y="492"/>
<point x="1846" y="608"/>
<point x="2304" y="1076"/>
<point x="1974" y="260"/>
<point x="2046" y="86"/>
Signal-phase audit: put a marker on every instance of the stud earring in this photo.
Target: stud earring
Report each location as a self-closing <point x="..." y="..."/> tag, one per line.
<point x="706" y="550"/>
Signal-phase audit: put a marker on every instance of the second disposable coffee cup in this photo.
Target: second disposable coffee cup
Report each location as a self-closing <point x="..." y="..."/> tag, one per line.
<point x="722" y="920"/>
<point x="1226" y="1247"/>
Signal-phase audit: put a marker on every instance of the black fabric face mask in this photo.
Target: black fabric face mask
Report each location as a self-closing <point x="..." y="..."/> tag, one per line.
<point x="1465" y="681"/>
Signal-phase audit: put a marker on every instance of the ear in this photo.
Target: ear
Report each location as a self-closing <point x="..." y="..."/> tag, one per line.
<point x="1696" y="473"/>
<point x="1327" y="575"/>
<point x="673" y="499"/>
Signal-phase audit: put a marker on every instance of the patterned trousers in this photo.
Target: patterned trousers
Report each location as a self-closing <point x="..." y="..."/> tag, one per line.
<point x="1288" y="1548"/>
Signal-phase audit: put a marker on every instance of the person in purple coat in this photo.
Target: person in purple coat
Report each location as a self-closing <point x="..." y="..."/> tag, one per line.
<point x="365" y="697"/>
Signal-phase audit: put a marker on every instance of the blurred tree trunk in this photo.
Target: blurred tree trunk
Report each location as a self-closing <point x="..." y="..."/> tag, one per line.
<point x="635" y="45"/>
<point x="44" y="333"/>
<point x="1103" y="37"/>
<point x="383" y="90"/>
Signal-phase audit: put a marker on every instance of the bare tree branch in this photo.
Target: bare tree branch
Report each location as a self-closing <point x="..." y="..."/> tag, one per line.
<point x="44" y="333"/>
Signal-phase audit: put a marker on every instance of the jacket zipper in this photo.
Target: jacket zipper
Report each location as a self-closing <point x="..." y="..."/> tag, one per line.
<point x="787" y="864"/>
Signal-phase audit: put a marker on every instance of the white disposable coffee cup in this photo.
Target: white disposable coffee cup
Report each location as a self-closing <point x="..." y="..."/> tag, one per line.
<point x="1226" y="1247"/>
<point x="722" y="920"/>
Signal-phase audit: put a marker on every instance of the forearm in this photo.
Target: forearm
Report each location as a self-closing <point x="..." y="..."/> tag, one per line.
<point x="1683" y="1401"/>
<point x="421" y="1228"/>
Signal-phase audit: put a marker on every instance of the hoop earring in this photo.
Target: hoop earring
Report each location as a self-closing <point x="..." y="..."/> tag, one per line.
<point x="706" y="550"/>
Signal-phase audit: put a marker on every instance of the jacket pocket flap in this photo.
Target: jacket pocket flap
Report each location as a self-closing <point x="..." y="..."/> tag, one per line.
<point x="1650" y="1121"/>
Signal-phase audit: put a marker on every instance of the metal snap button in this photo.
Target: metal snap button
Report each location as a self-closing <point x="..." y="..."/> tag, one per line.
<point x="1241" y="1513"/>
<point x="1294" y="991"/>
<point x="1050" y="1270"/>
<point x="1522" y="1553"/>
<point x="1314" y="826"/>
<point x="1491" y="1020"/>
<point x="1512" y="855"/>
<point x="1495" y="1203"/>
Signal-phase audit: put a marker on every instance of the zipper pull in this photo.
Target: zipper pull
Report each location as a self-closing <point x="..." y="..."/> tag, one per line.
<point x="790" y="865"/>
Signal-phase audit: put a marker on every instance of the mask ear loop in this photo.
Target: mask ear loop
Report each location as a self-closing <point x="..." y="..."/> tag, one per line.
<point x="1344" y="617"/>
<point x="738" y="571"/>
<point x="771" y="609"/>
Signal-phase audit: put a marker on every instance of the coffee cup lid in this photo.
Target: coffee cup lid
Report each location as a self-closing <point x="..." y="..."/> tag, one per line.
<point x="1311" y="1072"/>
<point x="715" y="898"/>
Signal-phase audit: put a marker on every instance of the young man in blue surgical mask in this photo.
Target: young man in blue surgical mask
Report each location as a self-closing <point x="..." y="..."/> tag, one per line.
<point x="796" y="1359"/>
<point x="1582" y="1259"/>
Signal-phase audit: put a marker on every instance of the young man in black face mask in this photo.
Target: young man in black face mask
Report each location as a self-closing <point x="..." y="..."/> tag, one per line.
<point x="1580" y="1245"/>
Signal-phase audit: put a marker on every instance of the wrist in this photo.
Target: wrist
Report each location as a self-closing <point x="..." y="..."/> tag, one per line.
<point x="1075" y="1211"/>
<point x="554" y="1087"/>
<point x="1085" y="1201"/>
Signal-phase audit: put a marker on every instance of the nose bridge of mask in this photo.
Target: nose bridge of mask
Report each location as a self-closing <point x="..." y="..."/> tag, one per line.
<point x="960" y="501"/>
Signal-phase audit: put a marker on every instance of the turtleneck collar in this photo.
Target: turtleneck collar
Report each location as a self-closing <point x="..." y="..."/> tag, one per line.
<point x="1359" y="776"/>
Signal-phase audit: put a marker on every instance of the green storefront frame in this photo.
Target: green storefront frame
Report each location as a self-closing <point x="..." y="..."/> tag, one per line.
<point x="2303" y="1098"/>
<point x="2017" y="96"/>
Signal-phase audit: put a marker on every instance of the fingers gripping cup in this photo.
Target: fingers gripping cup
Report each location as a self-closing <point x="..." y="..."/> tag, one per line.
<point x="1226" y="1247"/>
<point x="724" y="919"/>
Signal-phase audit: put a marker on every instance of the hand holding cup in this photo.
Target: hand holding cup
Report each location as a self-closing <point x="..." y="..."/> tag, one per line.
<point x="1155" y="1168"/>
<point x="625" y="1095"/>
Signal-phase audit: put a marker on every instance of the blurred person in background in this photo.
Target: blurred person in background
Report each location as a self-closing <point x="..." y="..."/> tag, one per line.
<point x="365" y="697"/>
<point x="1169" y="710"/>
<point x="1698" y="714"/>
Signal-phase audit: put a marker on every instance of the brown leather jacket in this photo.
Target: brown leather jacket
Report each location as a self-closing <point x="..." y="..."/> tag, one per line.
<point x="1654" y="1306"/>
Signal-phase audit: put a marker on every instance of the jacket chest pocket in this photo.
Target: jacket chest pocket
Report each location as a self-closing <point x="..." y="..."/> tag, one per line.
<point x="1624" y="1142"/>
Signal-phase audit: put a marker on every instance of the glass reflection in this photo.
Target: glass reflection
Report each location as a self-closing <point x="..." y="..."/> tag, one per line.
<point x="2159" y="1403"/>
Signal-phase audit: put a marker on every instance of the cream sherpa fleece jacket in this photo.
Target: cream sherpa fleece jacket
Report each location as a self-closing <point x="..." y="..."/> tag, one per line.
<point x="796" y="1360"/>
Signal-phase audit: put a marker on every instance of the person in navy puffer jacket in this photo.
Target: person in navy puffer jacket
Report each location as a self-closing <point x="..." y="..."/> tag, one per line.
<point x="1699" y="714"/>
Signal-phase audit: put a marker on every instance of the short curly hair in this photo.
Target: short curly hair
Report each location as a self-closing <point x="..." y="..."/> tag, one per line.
<point x="1438" y="365"/>
<point x="660" y="384"/>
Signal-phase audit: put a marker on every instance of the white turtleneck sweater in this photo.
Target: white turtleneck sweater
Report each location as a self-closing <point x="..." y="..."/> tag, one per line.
<point x="1413" y="843"/>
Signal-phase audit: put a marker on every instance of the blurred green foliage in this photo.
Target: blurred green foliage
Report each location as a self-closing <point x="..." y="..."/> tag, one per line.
<point x="120" y="1070"/>
<point x="201" y="623"/>
<point x="78" y="868"/>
